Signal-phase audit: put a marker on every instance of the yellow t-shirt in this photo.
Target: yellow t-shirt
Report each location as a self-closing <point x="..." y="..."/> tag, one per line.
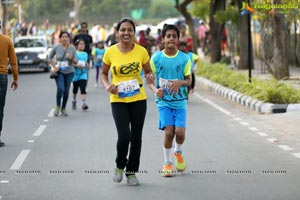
<point x="126" y="72"/>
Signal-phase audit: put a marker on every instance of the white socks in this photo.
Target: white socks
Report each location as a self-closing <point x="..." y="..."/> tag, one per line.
<point x="168" y="154"/>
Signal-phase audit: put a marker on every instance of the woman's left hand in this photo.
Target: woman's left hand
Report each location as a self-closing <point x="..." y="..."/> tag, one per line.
<point x="149" y="77"/>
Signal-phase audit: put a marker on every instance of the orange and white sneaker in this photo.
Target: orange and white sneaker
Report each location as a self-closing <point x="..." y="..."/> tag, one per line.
<point x="167" y="169"/>
<point x="179" y="161"/>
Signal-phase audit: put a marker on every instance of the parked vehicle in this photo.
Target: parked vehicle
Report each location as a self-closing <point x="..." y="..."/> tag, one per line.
<point x="32" y="52"/>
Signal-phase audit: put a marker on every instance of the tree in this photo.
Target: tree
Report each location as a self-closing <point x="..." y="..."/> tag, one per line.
<point x="182" y="8"/>
<point x="245" y="40"/>
<point x="161" y="9"/>
<point x="216" y="29"/>
<point x="77" y="4"/>
<point x="280" y="59"/>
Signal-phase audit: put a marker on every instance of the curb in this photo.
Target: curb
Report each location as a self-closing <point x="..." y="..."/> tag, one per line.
<point x="247" y="101"/>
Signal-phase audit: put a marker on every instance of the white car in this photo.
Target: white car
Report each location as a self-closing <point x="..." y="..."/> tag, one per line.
<point x="32" y="52"/>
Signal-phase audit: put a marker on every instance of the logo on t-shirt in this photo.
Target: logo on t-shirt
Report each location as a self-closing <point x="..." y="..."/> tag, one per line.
<point x="130" y="68"/>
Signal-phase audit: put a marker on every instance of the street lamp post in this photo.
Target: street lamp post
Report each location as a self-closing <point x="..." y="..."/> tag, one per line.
<point x="250" y="53"/>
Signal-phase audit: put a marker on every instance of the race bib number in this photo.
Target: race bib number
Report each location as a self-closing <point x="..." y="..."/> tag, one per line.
<point x="128" y="88"/>
<point x="165" y="84"/>
<point x="63" y="65"/>
<point x="81" y="62"/>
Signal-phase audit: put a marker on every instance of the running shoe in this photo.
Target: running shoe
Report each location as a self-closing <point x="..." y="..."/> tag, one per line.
<point x="179" y="161"/>
<point x="118" y="175"/>
<point x="2" y="144"/>
<point x="132" y="180"/>
<point x="85" y="107"/>
<point x="74" y="105"/>
<point x="64" y="113"/>
<point x="56" y="111"/>
<point x="167" y="169"/>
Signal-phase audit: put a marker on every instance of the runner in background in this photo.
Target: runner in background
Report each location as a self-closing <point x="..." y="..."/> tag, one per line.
<point x="194" y="59"/>
<point x="80" y="75"/>
<point x="97" y="54"/>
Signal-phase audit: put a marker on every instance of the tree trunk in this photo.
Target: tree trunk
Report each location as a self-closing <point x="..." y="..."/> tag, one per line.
<point x="280" y="59"/>
<point x="245" y="40"/>
<point x="182" y="8"/>
<point x="4" y="16"/>
<point x="215" y="30"/>
<point x="77" y="4"/>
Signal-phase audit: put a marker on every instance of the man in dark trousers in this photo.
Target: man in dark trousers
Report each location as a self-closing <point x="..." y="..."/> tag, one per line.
<point x="7" y="54"/>
<point x="84" y="34"/>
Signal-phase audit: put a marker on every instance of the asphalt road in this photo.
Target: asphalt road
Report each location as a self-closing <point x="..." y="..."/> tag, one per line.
<point x="231" y="152"/>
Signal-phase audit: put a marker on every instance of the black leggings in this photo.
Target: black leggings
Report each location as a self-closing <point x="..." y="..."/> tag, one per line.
<point x="191" y="87"/>
<point x="79" y="84"/>
<point x="129" y="120"/>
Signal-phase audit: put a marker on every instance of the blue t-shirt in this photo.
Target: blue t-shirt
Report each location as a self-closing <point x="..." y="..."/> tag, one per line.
<point x="166" y="69"/>
<point x="79" y="73"/>
<point x="98" y="53"/>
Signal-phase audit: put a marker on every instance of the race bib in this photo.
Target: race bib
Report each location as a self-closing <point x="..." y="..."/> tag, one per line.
<point x="63" y="64"/>
<point x="99" y="57"/>
<point x="128" y="88"/>
<point x="165" y="84"/>
<point x="81" y="62"/>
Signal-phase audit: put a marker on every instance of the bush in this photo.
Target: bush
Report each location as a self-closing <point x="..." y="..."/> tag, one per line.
<point x="270" y="91"/>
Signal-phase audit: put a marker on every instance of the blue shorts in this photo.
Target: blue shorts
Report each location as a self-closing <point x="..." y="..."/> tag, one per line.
<point x="171" y="117"/>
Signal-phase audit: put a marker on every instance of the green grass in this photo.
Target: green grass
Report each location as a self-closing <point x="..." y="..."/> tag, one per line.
<point x="270" y="91"/>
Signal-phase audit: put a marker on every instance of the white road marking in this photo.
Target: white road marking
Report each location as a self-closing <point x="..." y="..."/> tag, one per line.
<point x="296" y="155"/>
<point x="245" y="123"/>
<point x="51" y="113"/>
<point x="285" y="147"/>
<point x="253" y="129"/>
<point x="262" y="134"/>
<point x="4" y="181"/>
<point x="46" y="120"/>
<point x="40" y="130"/>
<point x="0" y="197"/>
<point x="213" y="104"/>
<point x="237" y="119"/>
<point x="272" y="140"/>
<point x="31" y="141"/>
<point x="20" y="160"/>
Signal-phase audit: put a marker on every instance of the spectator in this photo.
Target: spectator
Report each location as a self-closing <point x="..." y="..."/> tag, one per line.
<point x="202" y="34"/>
<point x="112" y="38"/>
<point x="224" y="43"/>
<point x="24" y="29"/>
<point x="7" y="54"/>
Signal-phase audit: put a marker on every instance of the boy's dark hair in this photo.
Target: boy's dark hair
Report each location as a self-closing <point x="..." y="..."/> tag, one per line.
<point x="125" y="20"/>
<point x="169" y="27"/>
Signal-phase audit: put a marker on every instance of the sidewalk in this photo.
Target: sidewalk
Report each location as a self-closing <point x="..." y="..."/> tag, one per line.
<point x="254" y="104"/>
